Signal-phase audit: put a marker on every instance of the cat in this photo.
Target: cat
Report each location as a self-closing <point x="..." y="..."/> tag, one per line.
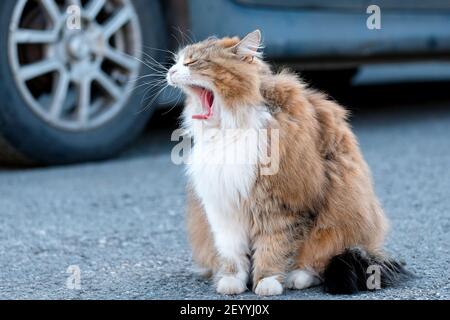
<point x="315" y="220"/>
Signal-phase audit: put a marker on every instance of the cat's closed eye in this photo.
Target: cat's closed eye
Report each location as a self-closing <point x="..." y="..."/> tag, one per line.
<point x="189" y="62"/>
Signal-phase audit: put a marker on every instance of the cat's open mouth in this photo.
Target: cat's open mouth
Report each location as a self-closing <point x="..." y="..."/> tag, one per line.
<point x="207" y="99"/>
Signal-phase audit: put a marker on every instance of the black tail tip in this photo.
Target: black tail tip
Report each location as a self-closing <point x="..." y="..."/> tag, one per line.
<point x="355" y="270"/>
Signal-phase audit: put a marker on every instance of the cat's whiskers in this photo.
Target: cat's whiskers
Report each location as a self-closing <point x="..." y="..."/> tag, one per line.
<point x="158" y="73"/>
<point x="180" y="95"/>
<point x="153" y="99"/>
<point x="154" y="75"/>
<point x="154" y="67"/>
<point x="155" y="62"/>
<point x="160" y="50"/>
<point x="185" y="38"/>
<point x="152" y="83"/>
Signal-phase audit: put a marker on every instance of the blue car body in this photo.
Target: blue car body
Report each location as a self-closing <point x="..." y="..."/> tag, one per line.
<point x="326" y="34"/>
<point x="311" y="30"/>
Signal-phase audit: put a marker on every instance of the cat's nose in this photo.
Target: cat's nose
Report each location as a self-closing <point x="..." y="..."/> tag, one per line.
<point x="172" y="72"/>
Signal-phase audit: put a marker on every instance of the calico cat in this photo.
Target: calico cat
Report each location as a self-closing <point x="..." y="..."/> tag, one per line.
<point x="316" y="219"/>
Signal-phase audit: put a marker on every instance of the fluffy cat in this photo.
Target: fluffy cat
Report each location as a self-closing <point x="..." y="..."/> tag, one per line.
<point x="315" y="220"/>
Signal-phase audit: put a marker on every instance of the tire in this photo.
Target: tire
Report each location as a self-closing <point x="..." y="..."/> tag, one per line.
<point x="25" y="137"/>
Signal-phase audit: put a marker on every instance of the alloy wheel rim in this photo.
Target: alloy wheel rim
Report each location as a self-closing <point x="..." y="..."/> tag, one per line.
<point x="75" y="78"/>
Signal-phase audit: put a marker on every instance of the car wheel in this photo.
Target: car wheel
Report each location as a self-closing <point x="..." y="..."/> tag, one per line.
<point x="66" y="89"/>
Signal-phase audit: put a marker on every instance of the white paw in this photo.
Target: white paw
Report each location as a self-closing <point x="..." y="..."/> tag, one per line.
<point x="231" y="285"/>
<point x="301" y="279"/>
<point x="269" y="286"/>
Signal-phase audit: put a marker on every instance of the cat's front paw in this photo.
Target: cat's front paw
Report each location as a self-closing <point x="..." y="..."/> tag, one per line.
<point x="269" y="286"/>
<point x="231" y="285"/>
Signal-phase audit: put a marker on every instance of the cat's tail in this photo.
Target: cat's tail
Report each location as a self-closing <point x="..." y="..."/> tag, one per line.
<point x="357" y="270"/>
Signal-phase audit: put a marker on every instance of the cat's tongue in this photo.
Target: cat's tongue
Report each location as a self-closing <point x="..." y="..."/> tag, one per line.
<point x="207" y="99"/>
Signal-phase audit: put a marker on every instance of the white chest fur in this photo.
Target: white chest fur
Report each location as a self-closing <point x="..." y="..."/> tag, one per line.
<point x="223" y="167"/>
<point x="224" y="160"/>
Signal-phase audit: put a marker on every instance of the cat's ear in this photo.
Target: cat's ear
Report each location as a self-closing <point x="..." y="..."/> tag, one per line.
<point x="249" y="47"/>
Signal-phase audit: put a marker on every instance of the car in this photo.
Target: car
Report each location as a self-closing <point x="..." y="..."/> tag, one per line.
<point x="68" y="77"/>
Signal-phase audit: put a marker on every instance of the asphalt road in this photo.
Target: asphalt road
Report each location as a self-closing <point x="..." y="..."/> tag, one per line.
<point x="120" y="222"/>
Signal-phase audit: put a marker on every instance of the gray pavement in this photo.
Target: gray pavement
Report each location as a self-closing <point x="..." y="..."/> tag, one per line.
<point x="121" y="221"/>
